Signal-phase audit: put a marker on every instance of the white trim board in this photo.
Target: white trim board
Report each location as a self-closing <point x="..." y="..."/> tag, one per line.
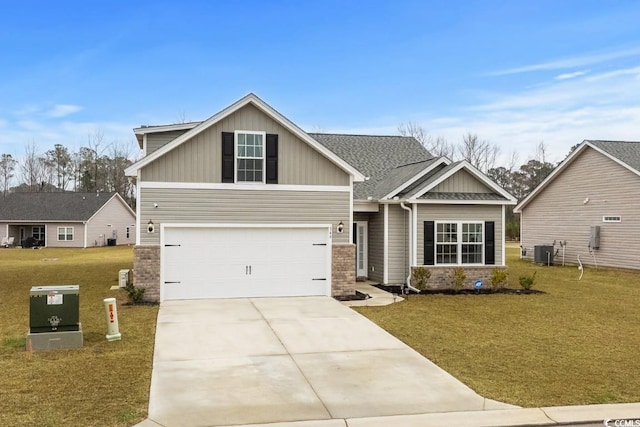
<point x="242" y="186"/>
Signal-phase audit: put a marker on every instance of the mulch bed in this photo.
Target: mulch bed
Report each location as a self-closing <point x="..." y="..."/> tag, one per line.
<point x="396" y="289"/>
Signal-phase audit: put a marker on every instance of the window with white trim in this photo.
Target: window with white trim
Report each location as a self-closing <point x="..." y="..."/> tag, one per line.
<point x="459" y="243"/>
<point x="65" y="234"/>
<point x="250" y="156"/>
<point x="38" y="232"/>
<point x="612" y="218"/>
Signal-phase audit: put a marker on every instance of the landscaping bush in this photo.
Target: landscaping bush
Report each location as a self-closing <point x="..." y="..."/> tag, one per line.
<point x="498" y="279"/>
<point x="458" y="279"/>
<point x="135" y="294"/>
<point x="419" y="277"/>
<point x="527" y="281"/>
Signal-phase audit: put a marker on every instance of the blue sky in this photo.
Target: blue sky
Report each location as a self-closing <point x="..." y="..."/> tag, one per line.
<point x="514" y="72"/>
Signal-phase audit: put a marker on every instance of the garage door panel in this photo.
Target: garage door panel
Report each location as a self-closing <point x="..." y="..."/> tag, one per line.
<point x="211" y="262"/>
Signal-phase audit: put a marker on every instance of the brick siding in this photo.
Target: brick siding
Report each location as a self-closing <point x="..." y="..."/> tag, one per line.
<point x="442" y="277"/>
<point x="343" y="269"/>
<point x="146" y="271"/>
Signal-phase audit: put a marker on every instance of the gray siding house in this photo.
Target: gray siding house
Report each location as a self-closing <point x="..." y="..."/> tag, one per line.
<point x="246" y="203"/>
<point x="73" y="220"/>
<point x="588" y="207"/>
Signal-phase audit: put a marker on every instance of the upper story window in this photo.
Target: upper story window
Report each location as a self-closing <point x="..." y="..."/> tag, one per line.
<point x="250" y="156"/>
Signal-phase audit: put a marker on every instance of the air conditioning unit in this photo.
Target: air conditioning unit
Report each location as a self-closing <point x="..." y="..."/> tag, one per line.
<point x="543" y="254"/>
<point x="124" y="278"/>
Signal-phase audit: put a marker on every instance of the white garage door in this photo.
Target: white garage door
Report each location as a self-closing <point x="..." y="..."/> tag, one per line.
<point x="212" y="262"/>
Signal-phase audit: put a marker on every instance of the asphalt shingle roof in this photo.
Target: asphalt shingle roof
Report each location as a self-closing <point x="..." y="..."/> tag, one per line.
<point x="626" y="151"/>
<point x="388" y="161"/>
<point x="462" y="196"/>
<point x="51" y="206"/>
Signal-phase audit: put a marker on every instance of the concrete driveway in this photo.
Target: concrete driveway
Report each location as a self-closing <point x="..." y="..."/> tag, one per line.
<point x="265" y="360"/>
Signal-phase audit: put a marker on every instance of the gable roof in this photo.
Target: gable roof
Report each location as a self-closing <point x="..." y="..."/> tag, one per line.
<point x="625" y="153"/>
<point x="422" y="192"/>
<point x="389" y="162"/>
<point x="266" y="109"/>
<point x="54" y="206"/>
<point x="144" y="129"/>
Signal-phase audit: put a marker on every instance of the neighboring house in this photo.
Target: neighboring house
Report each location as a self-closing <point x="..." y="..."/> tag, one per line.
<point x="72" y="220"/>
<point x="246" y="203"/>
<point x="587" y="207"/>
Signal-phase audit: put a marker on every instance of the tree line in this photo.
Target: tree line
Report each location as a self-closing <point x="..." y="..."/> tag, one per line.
<point x="98" y="166"/>
<point x="519" y="180"/>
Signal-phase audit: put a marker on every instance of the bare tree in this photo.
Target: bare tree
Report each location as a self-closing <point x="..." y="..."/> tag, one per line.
<point x="480" y="153"/>
<point x="32" y="168"/>
<point x="541" y="152"/>
<point x="437" y="146"/>
<point x="7" y="167"/>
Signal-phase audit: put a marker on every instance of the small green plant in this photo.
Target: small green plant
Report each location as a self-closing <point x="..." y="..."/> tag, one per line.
<point x="135" y="294"/>
<point x="527" y="281"/>
<point x="498" y="279"/>
<point x="419" y="277"/>
<point x="458" y="278"/>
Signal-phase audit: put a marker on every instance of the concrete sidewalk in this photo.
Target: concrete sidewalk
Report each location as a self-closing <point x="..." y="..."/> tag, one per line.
<point x="269" y="360"/>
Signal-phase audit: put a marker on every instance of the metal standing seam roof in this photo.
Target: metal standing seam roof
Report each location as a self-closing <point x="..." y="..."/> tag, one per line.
<point x="51" y="206"/>
<point x="388" y="161"/>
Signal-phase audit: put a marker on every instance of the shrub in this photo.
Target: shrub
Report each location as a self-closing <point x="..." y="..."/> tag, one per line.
<point x="498" y="279"/>
<point x="419" y="277"/>
<point x="458" y="278"/>
<point x="135" y="294"/>
<point x="527" y="281"/>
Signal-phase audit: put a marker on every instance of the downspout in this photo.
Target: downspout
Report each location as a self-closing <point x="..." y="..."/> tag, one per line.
<point x="408" y="209"/>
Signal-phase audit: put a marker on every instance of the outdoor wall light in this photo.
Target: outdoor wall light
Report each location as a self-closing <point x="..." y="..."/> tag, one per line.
<point x="340" y="227"/>
<point x="151" y="227"/>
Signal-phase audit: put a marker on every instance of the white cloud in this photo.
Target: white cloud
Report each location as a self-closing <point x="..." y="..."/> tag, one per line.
<point x="573" y="75"/>
<point x="62" y="110"/>
<point x="572" y="62"/>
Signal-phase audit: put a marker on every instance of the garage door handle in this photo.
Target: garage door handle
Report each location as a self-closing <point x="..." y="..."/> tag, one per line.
<point x="319" y="244"/>
<point x="247" y="270"/>
<point x="319" y="279"/>
<point x="166" y="246"/>
<point x="170" y="282"/>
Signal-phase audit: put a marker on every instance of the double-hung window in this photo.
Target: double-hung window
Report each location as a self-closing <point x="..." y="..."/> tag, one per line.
<point x="65" y="233"/>
<point x="459" y="243"/>
<point x="250" y="156"/>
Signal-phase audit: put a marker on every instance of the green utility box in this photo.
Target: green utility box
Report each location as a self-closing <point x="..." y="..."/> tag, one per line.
<point x="54" y="309"/>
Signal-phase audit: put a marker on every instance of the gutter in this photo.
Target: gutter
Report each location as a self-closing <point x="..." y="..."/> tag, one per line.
<point x="411" y="225"/>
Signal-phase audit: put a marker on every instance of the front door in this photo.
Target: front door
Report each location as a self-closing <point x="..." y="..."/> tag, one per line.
<point x="360" y="239"/>
<point x="22" y="236"/>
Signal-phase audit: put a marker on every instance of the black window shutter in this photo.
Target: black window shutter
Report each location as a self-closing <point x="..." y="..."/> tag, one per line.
<point x="272" y="159"/>
<point x="429" y="243"/>
<point x="228" y="148"/>
<point x="489" y="242"/>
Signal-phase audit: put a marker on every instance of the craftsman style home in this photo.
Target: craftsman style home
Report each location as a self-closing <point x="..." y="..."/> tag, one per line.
<point x="246" y="203"/>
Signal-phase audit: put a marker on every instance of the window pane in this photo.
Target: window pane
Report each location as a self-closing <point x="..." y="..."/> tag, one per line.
<point x="471" y="254"/>
<point x="447" y="254"/>
<point x="241" y="139"/>
<point x="250" y="137"/>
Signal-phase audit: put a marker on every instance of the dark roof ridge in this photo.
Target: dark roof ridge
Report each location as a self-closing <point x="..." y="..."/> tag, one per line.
<point x="415" y="163"/>
<point x="358" y="134"/>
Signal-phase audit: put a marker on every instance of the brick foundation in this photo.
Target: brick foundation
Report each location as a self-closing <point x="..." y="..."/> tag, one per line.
<point x="343" y="269"/>
<point x="146" y="271"/>
<point x="442" y="277"/>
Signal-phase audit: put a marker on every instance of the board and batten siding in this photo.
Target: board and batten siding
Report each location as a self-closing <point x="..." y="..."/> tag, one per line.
<point x="472" y="213"/>
<point x="398" y="250"/>
<point x="559" y="213"/>
<point x="199" y="159"/>
<point x="113" y="216"/>
<point x="461" y="182"/>
<point x="158" y="139"/>
<point x="200" y="206"/>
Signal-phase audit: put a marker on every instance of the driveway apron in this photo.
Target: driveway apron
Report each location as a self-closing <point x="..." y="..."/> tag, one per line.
<point x="265" y="360"/>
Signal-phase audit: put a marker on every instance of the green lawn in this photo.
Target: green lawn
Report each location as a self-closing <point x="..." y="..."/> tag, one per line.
<point x="577" y="344"/>
<point x="102" y="384"/>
